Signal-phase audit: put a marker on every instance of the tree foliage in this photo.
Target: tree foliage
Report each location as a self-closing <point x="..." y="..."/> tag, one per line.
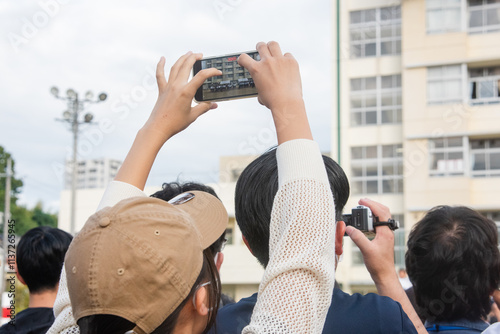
<point x="25" y="219"/>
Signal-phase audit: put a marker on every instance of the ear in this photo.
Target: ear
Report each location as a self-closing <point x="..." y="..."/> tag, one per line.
<point x="220" y="259"/>
<point x="246" y="243"/>
<point x="201" y="299"/>
<point x="339" y="238"/>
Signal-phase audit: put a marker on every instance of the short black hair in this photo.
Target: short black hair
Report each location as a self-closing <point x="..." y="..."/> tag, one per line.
<point x="172" y="189"/>
<point x="254" y="196"/>
<point x="40" y="257"/>
<point x="453" y="262"/>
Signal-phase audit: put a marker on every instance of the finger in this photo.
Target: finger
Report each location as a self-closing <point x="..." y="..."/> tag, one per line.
<point x="174" y="71"/>
<point x="383" y="232"/>
<point x="378" y="209"/>
<point x="202" y="108"/>
<point x="274" y="49"/>
<point x="200" y="78"/>
<point x="263" y="50"/>
<point x="186" y="68"/>
<point x="160" y="74"/>
<point x="358" y="238"/>
<point x="246" y="61"/>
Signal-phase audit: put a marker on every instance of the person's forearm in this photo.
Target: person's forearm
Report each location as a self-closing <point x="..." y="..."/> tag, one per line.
<point x="392" y="288"/>
<point x="291" y="121"/>
<point x="139" y="161"/>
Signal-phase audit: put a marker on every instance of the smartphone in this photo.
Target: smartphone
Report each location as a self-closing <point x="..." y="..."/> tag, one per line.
<point x="234" y="83"/>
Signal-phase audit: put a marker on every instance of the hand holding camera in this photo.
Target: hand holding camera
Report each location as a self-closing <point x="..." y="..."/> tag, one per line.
<point x="363" y="219"/>
<point x="378" y="254"/>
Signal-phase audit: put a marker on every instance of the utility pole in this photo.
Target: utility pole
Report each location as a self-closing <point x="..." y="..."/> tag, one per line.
<point x="6" y="216"/>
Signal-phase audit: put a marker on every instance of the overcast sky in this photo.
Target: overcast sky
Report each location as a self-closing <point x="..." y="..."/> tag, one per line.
<point x="113" y="47"/>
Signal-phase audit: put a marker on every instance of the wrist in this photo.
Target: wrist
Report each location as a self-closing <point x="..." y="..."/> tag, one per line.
<point x="151" y="134"/>
<point x="290" y="120"/>
<point x="385" y="279"/>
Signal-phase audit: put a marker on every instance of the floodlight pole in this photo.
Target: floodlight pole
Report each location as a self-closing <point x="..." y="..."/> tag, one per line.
<point x="71" y="116"/>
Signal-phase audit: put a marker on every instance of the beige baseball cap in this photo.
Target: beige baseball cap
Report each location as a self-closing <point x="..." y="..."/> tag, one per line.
<point x="140" y="258"/>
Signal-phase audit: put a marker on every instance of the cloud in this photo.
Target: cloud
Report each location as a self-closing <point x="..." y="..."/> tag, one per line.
<point x="113" y="46"/>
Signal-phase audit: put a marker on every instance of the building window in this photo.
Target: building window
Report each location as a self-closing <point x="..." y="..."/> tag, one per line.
<point x="444" y="84"/>
<point x="447" y="156"/>
<point x="484" y="85"/>
<point x="230" y="231"/>
<point x="485" y="157"/>
<point x="495" y="216"/>
<point x="376" y="100"/>
<point x="443" y="16"/>
<point x="375" y="32"/>
<point x="399" y="241"/>
<point x="377" y="169"/>
<point x="484" y="16"/>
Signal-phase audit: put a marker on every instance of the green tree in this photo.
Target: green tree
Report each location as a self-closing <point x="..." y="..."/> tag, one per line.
<point x="15" y="184"/>
<point x="42" y="218"/>
<point x="25" y="218"/>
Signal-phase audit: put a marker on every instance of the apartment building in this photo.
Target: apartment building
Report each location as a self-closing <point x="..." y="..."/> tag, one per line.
<point x="418" y="118"/>
<point x="93" y="173"/>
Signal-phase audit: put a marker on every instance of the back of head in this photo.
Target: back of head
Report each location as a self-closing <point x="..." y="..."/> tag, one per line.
<point x="453" y="262"/>
<point x="172" y="189"/>
<point x="40" y="256"/>
<point x="254" y="196"/>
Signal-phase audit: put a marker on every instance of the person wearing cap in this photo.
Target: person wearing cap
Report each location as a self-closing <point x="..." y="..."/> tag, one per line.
<point x="141" y="265"/>
<point x="296" y="289"/>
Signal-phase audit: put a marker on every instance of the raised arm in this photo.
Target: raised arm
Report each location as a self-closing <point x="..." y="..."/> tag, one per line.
<point x="171" y="114"/>
<point x="295" y="292"/>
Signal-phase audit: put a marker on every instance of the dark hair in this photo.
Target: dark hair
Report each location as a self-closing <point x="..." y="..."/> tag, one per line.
<point x="40" y="257"/>
<point x="172" y="189"/>
<point x="254" y="196"/>
<point x="453" y="262"/>
<point x="112" y="324"/>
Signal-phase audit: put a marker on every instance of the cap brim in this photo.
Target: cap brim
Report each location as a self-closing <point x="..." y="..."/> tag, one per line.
<point x="208" y="214"/>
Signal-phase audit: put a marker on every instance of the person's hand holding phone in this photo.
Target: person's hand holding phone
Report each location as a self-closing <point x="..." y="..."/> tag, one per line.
<point x="172" y="112"/>
<point x="277" y="78"/>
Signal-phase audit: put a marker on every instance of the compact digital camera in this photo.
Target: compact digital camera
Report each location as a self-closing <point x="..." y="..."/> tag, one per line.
<point x="362" y="218"/>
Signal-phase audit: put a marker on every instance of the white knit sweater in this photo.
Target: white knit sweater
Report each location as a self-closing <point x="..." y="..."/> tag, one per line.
<point x="296" y="290"/>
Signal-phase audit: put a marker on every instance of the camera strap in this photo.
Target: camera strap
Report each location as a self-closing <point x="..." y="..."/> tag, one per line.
<point x="390" y="223"/>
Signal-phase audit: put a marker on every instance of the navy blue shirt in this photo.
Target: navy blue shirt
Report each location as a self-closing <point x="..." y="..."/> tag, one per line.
<point x="355" y="314"/>
<point x="33" y="320"/>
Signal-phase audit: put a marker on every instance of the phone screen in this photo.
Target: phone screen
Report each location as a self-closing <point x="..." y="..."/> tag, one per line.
<point x="234" y="83"/>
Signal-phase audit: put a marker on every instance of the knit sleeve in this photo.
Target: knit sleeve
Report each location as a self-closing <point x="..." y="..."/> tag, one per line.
<point x="296" y="290"/>
<point x="117" y="191"/>
<point x="65" y="323"/>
